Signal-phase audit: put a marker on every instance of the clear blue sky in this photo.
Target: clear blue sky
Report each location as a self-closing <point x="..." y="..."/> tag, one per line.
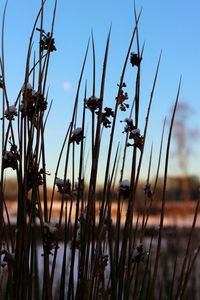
<point x="170" y="26"/>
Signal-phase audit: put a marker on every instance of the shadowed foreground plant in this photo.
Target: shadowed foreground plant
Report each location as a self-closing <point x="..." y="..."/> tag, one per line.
<point x="88" y="252"/>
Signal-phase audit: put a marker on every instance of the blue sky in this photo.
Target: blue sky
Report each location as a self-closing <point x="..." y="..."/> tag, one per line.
<point x="170" y="26"/>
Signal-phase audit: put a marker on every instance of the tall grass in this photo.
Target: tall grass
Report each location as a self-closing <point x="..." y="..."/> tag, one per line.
<point x="101" y="255"/>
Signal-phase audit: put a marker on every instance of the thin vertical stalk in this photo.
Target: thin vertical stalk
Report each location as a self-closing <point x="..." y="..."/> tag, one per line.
<point x="67" y="154"/>
<point x="71" y="275"/>
<point x="163" y="197"/>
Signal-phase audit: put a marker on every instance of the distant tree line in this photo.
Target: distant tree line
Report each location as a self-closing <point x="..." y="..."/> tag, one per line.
<point x="175" y="191"/>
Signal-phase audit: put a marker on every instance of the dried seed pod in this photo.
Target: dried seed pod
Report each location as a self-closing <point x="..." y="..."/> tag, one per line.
<point x="50" y="238"/>
<point x="122" y="97"/>
<point x="135" y="59"/>
<point x="77" y="135"/>
<point x="10" y="113"/>
<point x="124" y="188"/>
<point x="139" y="254"/>
<point x="47" y="41"/>
<point x="108" y="112"/>
<point x="63" y="186"/>
<point x="92" y="103"/>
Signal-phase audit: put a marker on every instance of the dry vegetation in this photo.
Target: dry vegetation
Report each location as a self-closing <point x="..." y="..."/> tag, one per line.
<point x="90" y="254"/>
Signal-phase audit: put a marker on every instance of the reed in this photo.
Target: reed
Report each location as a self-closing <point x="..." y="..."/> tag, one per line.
<point x="102" y="255"/>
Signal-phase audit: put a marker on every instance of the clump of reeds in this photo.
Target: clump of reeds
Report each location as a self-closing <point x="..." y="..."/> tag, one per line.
<point x="102" y="256"/>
